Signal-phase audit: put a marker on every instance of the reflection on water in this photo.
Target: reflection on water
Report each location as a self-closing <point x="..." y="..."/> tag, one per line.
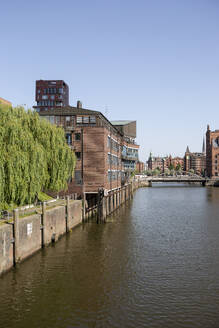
<point x="154" y="264"/>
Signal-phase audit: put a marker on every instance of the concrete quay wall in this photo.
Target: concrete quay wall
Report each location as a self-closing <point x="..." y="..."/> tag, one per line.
<point x="6" y="247"/>
<point x="24" y="236"/>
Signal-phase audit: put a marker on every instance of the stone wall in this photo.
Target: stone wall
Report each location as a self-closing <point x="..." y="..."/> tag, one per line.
<point x="54" y="224"/>
<point x="75" y="214"/>
<point x="26" y="235"/>
<point x="6" y="247"/>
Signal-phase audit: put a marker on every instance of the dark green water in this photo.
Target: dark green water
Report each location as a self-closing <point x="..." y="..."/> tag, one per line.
<point x="154" y="264"/>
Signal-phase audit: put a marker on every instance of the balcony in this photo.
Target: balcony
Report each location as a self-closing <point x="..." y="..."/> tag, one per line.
<point x="130" y="157"/>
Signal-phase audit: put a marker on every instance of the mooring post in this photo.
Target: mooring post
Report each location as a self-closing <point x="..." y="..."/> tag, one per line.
<point x="43" y="220"/>
<point x="67" y="213"/>
<point x="16" y="236"/>
<point x="84" y="207"/>
<point x="100" y="196"/>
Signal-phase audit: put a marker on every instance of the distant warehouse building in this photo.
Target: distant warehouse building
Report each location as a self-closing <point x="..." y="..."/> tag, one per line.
<point x="212" y="153"/>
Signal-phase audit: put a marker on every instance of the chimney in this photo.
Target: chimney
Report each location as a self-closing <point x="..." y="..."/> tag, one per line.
<point x="79" y="104"/>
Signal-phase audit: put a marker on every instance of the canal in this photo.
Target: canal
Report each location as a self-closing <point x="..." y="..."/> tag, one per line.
<point x="155" y="263"/>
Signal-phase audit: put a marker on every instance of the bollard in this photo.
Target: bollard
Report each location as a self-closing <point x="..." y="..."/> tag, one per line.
<point x="16" y="236"/>
<point x="67" y="215"/>
<point x="43" y="220"/>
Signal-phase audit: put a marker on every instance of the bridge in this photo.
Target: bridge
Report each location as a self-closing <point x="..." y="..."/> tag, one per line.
<point x="183" y="179"/>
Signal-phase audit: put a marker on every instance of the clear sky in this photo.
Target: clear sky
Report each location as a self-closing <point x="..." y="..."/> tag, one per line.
<point x="154" y="61"/>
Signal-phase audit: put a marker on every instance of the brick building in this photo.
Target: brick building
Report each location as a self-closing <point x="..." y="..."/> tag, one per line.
<point x="129" y="155"/>
<point x="195" y="161"/>
<point x="156" y="163"/>
<point x="177" y="162"/>
<point x="164" y="163"/>
<point x="140" y="167"/>
<point x="51" y="94"/>
<point x="212" y="153"/>
<point x="98" y="145"/>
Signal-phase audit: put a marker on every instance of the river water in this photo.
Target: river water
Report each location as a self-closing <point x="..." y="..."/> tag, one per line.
<point x="155" y="263"/>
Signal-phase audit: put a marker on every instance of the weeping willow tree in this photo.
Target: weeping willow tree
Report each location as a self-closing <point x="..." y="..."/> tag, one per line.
<point x="33" y="156"/>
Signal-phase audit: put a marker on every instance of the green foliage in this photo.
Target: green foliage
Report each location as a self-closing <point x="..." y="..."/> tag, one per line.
<point x="156" y="172"/>
<point x="148" y="172"/>
<point x="33" y="156"/>
<point x="178" y="167"/>
<point x="42" y="197"/>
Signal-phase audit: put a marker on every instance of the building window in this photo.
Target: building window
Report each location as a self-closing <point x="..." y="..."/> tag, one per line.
<point x="86" y="119"/>
<point x="38" y="91"/>
<point x="92" y="119"/>
<point x="58" y="121"/>
<point x="59" y="103"/>
<point x="77" y="136"/>
<point x="78" y="154"/>
<point x="68" y="120"/>
<point x="78" y="179"/>
<point x="61" y="90"/>
<point x="44" y="97"/>
<point x="108" y="142"/>
<point x="52" y="97"/>
<point x="79" y="119"/>
<point x="68" y="138"/>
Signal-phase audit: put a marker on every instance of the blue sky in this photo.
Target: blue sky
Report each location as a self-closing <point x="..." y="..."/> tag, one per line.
<point x="154" y="61"/>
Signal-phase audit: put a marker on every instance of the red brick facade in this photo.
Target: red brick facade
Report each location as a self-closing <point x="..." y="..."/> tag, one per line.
<point x="51" y="94"/>
<point x="98" y="147"/>
<point x="195" y="161"/>
<point x="212" y="153"/>
<point x="140" y="167"/>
